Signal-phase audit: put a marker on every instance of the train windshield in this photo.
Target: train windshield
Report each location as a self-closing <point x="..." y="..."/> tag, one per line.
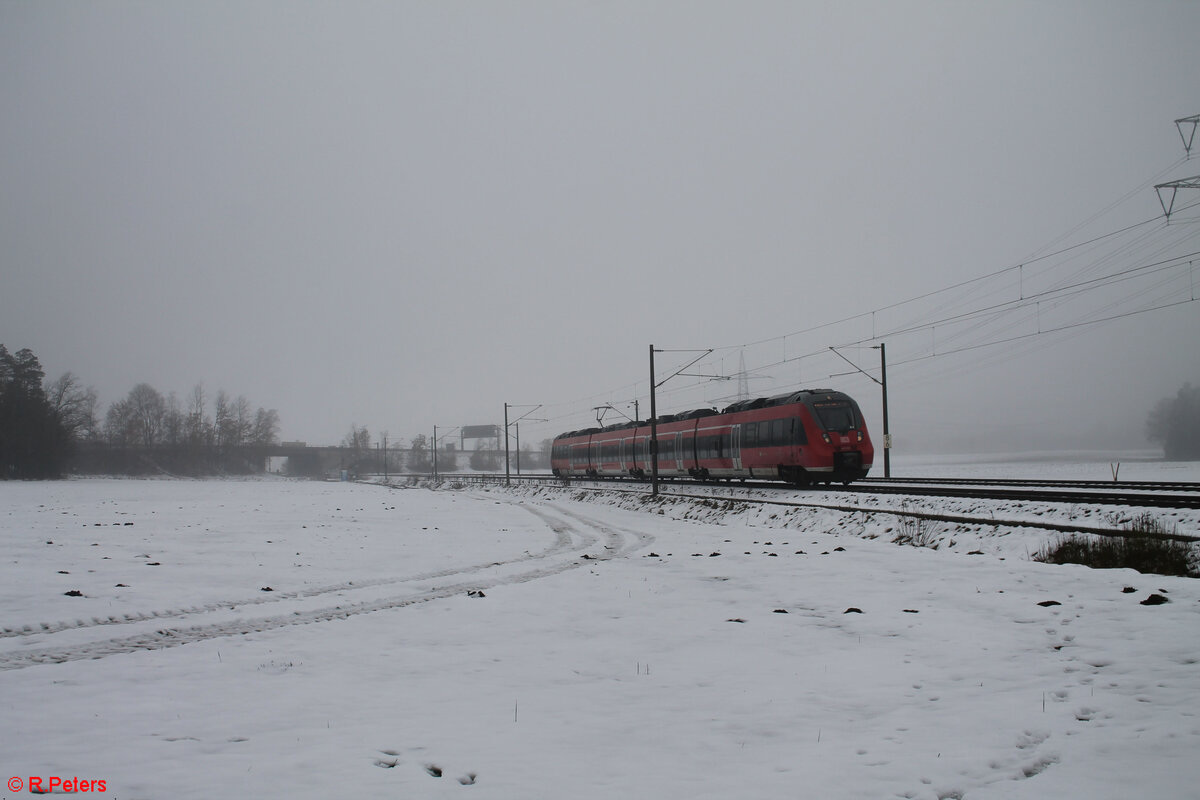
<point x="835" y="415"/>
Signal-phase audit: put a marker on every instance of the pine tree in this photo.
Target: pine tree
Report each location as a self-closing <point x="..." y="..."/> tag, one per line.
<point x="34" y="441"/>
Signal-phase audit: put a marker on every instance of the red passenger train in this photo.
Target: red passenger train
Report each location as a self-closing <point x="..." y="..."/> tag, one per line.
<point x="801" y="437"/>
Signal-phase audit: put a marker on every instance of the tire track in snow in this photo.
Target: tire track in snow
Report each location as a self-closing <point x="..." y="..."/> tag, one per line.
<point x="621" y="541"/>
<point x="562" y="543"/>
<point x="570" y="540"/>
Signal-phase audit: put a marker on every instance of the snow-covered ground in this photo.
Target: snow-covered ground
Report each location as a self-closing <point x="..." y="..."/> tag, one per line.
<point x="1083" y="465"/>
<point x="274" y="638"/>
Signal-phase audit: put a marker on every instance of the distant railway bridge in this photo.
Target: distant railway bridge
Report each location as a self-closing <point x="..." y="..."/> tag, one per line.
<point x="288" y="458"/>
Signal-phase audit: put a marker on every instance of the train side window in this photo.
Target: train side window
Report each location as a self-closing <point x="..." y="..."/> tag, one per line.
<point x="750" y="434"/>
<point x="798" y="433"/>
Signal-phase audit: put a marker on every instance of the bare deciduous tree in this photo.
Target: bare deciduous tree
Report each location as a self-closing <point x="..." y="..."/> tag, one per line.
<point x="199" y="426"/>
<point x="174" y="421"/>
<point x="222" y="419"/>
<point x="118" y="424"/>
<point x="265" y="431"/>
<point x="358" y="439"/>
<point x="147" y="411"/>
<point x="74" y="405"/>
<point x="418" y="455"/>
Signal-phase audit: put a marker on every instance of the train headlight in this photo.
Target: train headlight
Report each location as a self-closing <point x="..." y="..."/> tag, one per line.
<point x="825" y="436"/>
<point x="860" y="436"/>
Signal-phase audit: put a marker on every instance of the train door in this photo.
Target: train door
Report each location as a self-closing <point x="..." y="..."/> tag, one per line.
<point x="679" y="454"/>
<point x="735" y="446"/>
<point x="687" y="460"/>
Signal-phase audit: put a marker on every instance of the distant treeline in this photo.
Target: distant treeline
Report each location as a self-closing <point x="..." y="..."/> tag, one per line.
<point x="146" y="418"/>
<point x="1175" y="424"/>
<point x="148" y="432"/>
<point x="99" y="457"/>
<point x="50" y="428"/>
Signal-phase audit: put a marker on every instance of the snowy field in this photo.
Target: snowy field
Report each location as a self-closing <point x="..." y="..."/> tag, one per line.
<point x="275" y="638"/>
<point x="1083" y="465"/>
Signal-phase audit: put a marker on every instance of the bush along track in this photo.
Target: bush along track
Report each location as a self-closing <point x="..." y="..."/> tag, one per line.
<point x="1146" y="546"/>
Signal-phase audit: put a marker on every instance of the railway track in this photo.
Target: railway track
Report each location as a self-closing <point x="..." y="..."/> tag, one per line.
<point x="1141" y="494"/>
<point x="1132" y="486"/>
<point x="1182" y="496"/>
<point x="826" y="498"/>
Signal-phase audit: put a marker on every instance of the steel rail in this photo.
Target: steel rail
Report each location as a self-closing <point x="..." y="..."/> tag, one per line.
<point x="587" y="484"/>
<point x="1147" y="486"/>
<point x="1128" y="493"/>
<point x="1069" y="496"/>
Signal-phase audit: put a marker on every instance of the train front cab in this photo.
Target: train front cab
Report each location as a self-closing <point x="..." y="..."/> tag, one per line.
<point x="803" y="438"/>
<point x="846" y="449"/>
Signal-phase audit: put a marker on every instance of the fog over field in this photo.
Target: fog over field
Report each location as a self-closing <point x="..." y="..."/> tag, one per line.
<point x="408" y="214"/>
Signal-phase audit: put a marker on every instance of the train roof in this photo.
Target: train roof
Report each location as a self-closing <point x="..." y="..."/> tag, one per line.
<point x="663" y="419"/>
<point x="775" y="400"/>
<point x="699" y="413"/>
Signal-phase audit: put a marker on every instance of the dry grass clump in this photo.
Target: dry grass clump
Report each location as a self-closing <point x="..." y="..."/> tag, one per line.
<point x="1148" y="547"/>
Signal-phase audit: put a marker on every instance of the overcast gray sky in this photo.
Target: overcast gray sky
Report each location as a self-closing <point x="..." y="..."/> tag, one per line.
<point x="405" y="214"/>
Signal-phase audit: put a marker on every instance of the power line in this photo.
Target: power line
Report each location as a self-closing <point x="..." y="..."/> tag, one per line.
<point x="989" y="318"/>
<point x="1047" y="331"/>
